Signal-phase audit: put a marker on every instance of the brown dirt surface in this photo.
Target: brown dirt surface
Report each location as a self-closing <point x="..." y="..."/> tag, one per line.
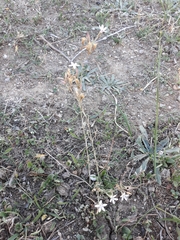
<point x="45" y="191"/>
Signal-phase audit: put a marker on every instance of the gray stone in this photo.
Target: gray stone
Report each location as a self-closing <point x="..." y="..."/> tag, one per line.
<point x="178" y="98"/>
<point x="63" y="189"/>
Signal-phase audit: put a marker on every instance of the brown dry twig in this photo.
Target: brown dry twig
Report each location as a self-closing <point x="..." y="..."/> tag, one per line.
<point x="55" y="49"/>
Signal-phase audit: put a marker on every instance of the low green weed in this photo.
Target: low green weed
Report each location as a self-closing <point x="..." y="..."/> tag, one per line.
<point x="85" y="74"/>
<point x="165" y="154"/>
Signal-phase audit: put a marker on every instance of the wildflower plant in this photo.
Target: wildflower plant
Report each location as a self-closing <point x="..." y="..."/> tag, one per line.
<point x="75" y="78"/>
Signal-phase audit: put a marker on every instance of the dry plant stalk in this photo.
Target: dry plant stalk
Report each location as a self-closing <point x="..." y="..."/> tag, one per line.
<point x="89" y="45"/>
<point x="74" y="85"/>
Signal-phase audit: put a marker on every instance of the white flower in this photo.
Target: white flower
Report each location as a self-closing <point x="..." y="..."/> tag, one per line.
<point x="103" y="29"/>
<point x="74" y="65"/>
<point x="113" y="198"/>
<point x="124" y="196"/>
<point x="100" y="206"/>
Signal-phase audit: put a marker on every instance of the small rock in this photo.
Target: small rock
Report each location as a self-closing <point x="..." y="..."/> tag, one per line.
<point x="166" y="49"/>
<point x="87" y="219"/>
<point x="165" y="174"/>
<point x="7" y="79"/>
<point x="3" y="174"/>
<point x="104" y="98"/>
<point x="144" y="124"/>
<point x="63" y="189"/>
<point x="151" y="189"/>
<point x="107" y="113"/>
<point x="86" y="229"/>
<point x="85" y="171"/>
<point x="141" y="51"/>
<point x="178" y="98"/>
<point x="174" y="50"/>
<point x="66" y="175"/>
<point x="161" y="105"/>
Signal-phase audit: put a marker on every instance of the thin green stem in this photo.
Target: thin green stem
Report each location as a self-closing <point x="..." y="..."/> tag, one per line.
<point x="157" y="109"/>
<point x="86" y="144"/>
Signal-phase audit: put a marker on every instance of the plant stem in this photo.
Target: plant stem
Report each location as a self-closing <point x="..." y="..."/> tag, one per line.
<point x="157" y="110"/>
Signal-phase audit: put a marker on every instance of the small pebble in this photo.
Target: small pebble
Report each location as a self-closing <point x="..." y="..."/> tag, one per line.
<point x="161" y="105"/>
<point x="7" y="79"/>
<point x="178" y="98"/>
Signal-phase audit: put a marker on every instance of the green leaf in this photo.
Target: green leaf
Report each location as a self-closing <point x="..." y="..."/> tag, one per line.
<point x="143" y="167"/>
<point x="80" y="237"/>
<point x="75" y="161"/>
<point x="75" y="194"/>
<point x="146" y="144"/>
<point x="13" y="237"/>
<point x="140" y="144"/>
<point x="174" y="219"/>
<point x="178" y="233"/>
<point x="126" y="230"/>
<point x="162" y="144"/>
<point x="139" y="157"/>
<point x="40" y="212"/>
<point x="18" y="227"/>
<point x="158" y="176"/>
<point x="7" y="151"/>
<point x="143" y="131"/>
<point x="173" y="150"/>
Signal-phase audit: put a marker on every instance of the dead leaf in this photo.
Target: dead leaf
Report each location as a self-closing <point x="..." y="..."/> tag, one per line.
<point x="40" y="156"/>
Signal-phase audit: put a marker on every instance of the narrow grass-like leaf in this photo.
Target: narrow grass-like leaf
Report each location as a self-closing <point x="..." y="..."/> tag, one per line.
<point x="75" y="194"/>
<point x="7" y="151"/>
<point x="40" y="212"/>
<point x="75" y="161"/>
<point x="13" y="237"/>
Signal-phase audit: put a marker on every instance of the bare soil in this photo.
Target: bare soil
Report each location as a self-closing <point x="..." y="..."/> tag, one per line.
<point x="40" y="199"/>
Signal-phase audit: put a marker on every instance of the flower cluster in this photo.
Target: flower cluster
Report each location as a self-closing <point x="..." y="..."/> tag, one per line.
<point x="101" y="206"/>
